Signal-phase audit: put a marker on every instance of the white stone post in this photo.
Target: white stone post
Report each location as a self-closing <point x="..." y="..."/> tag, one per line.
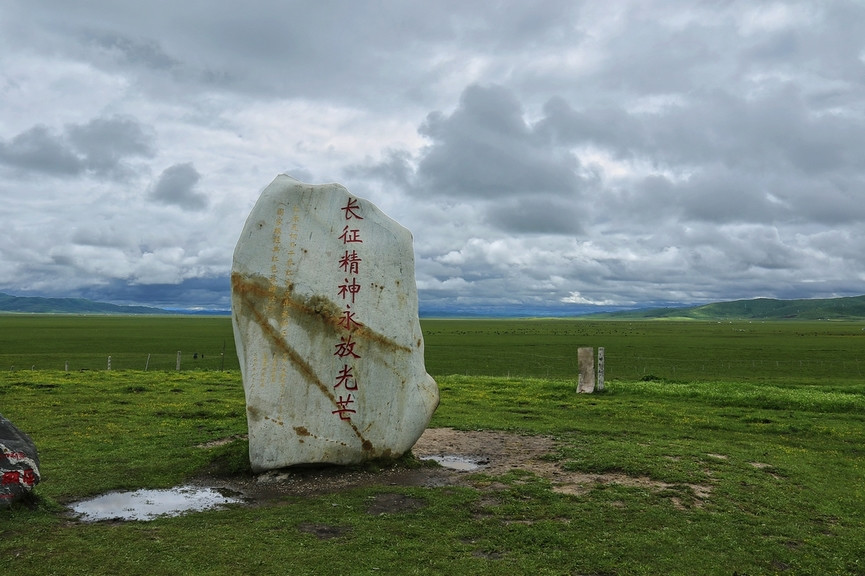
<point x="178" y="360"/>
<point x="600" y="385"/>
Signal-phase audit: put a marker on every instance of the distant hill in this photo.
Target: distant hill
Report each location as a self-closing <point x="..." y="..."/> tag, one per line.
<point x="37" y="305"/>
<point x="851" y="308"/>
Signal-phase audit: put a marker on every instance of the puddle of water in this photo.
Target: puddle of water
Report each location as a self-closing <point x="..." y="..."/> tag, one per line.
<point x="150" y="504"/>
<point x="460" y="463"/>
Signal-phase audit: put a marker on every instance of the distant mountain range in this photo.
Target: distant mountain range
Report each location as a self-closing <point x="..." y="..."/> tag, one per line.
<point x="38" y="305"/>
<point x="852" y="308"/>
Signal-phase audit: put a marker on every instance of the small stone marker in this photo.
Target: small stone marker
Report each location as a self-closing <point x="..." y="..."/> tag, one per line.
<point x="325" y="317"/>
<point x="600" y="385"/>
<point x="19" y="463"/>
<point x="586" y="361"/>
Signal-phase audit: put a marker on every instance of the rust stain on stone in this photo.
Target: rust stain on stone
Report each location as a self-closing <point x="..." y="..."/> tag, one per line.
<point x="316" y="306"/>
<point x="254" y="413"/>
<point x="302" y="431"/>
<point x="251" y="292"/>
<point x="380" y="339"/>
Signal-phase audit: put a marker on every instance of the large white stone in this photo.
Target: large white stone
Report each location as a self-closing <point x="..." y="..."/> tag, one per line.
<point x="324" y="309"/>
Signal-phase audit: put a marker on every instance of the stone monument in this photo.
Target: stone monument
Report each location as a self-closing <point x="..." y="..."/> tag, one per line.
<point x="19" y="463"/>
<point x="586" y="364"/>
<point x="325" y="317"/>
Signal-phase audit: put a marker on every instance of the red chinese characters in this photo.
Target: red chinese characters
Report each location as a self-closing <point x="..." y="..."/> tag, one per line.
<point x="346" y="379"/>
<point x="12" y="477"/>
<point x="346" y="349"/>
<point x="347" y="289"/>
<point x="343" y="407"/>
<point x="351" y="210"/>
<point x="350" y="262"/>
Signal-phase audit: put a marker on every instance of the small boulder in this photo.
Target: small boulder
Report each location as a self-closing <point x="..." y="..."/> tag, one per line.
<point x="19" y="463"/>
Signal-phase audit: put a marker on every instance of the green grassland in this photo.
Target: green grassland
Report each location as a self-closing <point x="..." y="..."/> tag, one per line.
<point x="779" y="352"/>
<point x="771" y="351"/>
<point x="51" y="342"/>
<point x="768" y="418"/>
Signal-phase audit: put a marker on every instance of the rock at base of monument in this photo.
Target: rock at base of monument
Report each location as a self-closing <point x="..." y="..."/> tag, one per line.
<point x="19" y="463"/>
<point x="325" y="318"/>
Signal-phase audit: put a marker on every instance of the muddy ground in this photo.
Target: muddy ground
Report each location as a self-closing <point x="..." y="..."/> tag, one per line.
<point x="492" y="453"/>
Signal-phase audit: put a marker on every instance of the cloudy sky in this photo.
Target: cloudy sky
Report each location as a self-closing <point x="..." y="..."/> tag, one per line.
<point x="553" y="154"/>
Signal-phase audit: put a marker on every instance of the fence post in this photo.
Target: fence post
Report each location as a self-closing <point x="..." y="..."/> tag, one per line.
<point x="586" y="361"/>
<point x="600" y="385"/>
<point x="178" y="360"/>
<point x="147" y="364"/>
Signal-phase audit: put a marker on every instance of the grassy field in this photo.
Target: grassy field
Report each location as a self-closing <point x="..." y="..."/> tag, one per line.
<point x="687" y="350"/>
<point x="51" y="342"/>
<point x="778" y="351"/>
<point x="756" y="432"/>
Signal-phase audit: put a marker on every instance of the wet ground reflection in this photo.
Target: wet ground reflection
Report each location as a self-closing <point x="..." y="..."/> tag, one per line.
<point x="150" y="504"/>
<point x="454" y="462"/>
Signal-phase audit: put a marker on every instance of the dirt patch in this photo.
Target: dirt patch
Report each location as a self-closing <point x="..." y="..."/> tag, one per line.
<point x="494" y="452"/>
<point x="222" y="441"/>
<point x="768" y="468"/>
<point x="577" y="483"/>
<point x="391" y="503"/>
<point x="323" y="531"/>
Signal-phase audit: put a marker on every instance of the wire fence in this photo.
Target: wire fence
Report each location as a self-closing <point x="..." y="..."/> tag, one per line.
<point x="180" y="360"/>
<point x="552" y="364"/>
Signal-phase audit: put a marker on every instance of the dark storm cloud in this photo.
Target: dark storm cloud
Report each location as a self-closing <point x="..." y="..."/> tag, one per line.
<point x="382" y="55"/>
<point x="536" y="214"/>
<point x="776" y="129"/>
<point x="486" y="152"/>
<point x="714" y="194"/>
<point x="38" y="150"/>
<point x="485" y="149"/>
<point x="147" y="59"/>
<point x="604" y="126"/>
<point x="395" y="169"/>
<point x="101" y="147"/>
<point x="106" y="142"/>
<point x="339" y="51"/>
<point x="176" y="185"/>
<point x="131" y="51"/>
<point x="739" y="159"/>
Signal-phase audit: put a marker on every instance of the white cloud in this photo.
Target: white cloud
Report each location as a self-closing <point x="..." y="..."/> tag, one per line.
<point x="774" y="17"/>
<point x="577" y="298"/>
<point x="565" y="153"/>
